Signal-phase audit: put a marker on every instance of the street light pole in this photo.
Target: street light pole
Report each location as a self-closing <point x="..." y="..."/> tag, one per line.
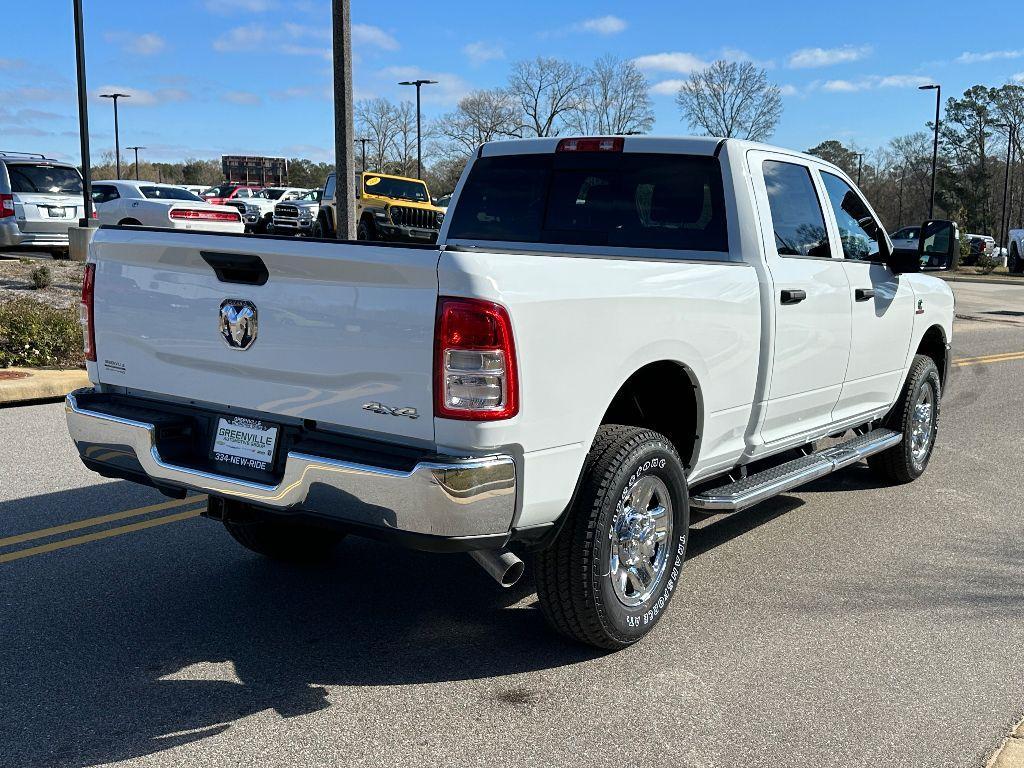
<point x="935" y="146"/>
<point x="83" y="114"/>
<point x="117" y="137"/>
<point x="419" y="132"/>
<point x="363" y="142"/>
<point x="136" y="160"/>
<point x="1003" y="224"/>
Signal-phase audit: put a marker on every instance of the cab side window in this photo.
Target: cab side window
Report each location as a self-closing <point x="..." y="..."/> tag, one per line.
<point x="104" y="193"/>
<point x="858" y="229"/>
<point x="797" y="217"/>
<point x="329" y="188"/>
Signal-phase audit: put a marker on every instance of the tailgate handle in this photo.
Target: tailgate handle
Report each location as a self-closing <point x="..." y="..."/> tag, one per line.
<point x="244" y="268"/>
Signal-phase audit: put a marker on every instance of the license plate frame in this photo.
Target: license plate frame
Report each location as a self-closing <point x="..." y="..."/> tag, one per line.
<point x="244" y="443"/>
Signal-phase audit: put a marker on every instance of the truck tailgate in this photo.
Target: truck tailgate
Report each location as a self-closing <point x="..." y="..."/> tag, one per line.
<point x="338" y="326"/>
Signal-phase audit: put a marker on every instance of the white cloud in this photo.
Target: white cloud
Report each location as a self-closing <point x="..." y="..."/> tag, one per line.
<point x="243" y="97"/>
<point x="976" y="58"/>
<point x="789" y="90"/>
<point x="874" y="81"/>
<point x="247" y="38"/>
<point x="681" y="62"/>
<point x="229" y="7"/>
<point x="480" y="52"/>
<point x="145" y="44"/>
<point x="738" y="54"/>
<point x="364" y="34"/>
<point x="667" y="87"/>
<point x="144" y="98"/>
<point x="449" y="89"/>
<point x="1019" y="77"/>
<point x="602" y="25"/>
<point x="807" y="58"/>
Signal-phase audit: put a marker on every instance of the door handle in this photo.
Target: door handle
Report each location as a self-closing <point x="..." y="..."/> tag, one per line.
<point x="789" y="296"/>
<point x="863" y="294"/>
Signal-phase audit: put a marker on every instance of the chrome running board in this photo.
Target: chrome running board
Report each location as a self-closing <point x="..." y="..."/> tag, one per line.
<point x="771" y="482"/>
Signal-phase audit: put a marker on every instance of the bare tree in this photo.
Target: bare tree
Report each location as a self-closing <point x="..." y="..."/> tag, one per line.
<point x="480" y="116"/>
<point x="615" y="100"/>
<point x="375" y="120"/>
<point x="547" y="91"/>
<point x="402" y="160"/>
<point x="731" y="99"/>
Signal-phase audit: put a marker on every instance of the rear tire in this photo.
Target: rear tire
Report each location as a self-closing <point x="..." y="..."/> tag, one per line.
<point x="916" y="416"/>
<point x="608" y="577"/>
<point x="283" y="540"/>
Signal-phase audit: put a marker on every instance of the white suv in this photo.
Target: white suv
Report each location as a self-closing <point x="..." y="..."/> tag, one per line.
<point x="40" y="199"/>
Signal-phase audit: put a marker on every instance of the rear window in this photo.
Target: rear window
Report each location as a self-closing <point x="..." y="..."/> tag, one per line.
<point x="169" y="193"/>
<point x="627" y="200"/>
<point x="45" y="179"/>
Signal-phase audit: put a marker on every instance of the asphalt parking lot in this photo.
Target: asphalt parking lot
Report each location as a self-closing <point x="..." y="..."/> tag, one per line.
<point x="848" y="624"/>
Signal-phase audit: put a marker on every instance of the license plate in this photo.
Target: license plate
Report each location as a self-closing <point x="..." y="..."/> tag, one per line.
<point x="424" y="234"/>
<point x="245" y="443"/>
<point x="58" y="213"/>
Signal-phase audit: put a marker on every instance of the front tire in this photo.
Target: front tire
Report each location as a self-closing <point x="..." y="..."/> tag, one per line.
<point x="916" y="416"/>
<point x="608" y="577"/>
<point x="365" y="230"/>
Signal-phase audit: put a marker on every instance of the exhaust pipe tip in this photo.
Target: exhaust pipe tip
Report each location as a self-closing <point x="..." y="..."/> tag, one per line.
<point x="502" y="565"/>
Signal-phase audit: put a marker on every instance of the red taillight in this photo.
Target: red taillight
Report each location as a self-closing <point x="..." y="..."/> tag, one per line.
<point x="612" y="144"/>
<point x="201" y="215"/>
<point x="85" y="312"/>
<point x="6" y="206"/>
<point x="474" y="361"/>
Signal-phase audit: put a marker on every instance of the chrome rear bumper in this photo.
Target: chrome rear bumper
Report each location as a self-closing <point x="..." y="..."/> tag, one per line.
<point x="456" y="498"/>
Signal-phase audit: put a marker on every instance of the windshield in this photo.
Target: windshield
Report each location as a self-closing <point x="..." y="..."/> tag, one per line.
<point x="224" y="190"/>
<point x="400" y="189"/>
<point x="269" y="194"/>
<point x="46" y="179"/>
<point x="620" y="200"/>
<point x="313" y="194"/>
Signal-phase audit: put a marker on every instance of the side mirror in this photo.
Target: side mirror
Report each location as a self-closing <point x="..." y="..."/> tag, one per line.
<point x="939" y="245"/>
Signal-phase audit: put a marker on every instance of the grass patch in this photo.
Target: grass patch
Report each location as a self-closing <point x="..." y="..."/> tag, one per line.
<point x="35" y="335"/>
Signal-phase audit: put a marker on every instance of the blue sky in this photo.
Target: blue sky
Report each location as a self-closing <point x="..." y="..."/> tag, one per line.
<point x="253" y="76"/>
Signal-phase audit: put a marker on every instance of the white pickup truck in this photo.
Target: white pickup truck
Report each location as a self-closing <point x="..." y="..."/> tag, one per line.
<point x="609" y="333"/>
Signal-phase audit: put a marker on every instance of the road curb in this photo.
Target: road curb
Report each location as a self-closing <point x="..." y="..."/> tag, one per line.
<point x="39" y="384"/>
<point x="980" y="279"/>
<point x="1011" y="752"/>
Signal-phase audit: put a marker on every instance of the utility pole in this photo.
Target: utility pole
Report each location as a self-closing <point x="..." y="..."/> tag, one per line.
<point x="860" y="166"/>
<point x="344" y="131"/>
<point x="935" y="146"/>
<point x="136" y="160"/>
<point x="83" y="115"/>
<point x="117" y="137"/>
<point x="419" y="132"/>
<point x="363" y="142"/>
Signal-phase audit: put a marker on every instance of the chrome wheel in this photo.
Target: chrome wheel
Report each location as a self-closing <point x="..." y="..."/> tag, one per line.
<point x="640" y="535"/>
<point x="922" y="425"/>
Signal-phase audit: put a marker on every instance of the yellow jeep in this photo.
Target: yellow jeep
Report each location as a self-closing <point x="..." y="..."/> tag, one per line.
<point x="393" y="208"/>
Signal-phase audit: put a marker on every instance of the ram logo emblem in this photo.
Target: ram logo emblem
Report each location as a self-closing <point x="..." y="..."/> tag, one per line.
<point x="238" y="326"/>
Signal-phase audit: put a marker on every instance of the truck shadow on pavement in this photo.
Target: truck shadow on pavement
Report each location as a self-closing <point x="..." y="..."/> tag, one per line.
<point x="123" y="648"/>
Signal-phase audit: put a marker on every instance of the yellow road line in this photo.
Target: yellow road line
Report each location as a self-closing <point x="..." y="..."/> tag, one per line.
<point x="1005" y="357"/>
<point x="76" y="540"/>
<point x="91" y="521"/>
